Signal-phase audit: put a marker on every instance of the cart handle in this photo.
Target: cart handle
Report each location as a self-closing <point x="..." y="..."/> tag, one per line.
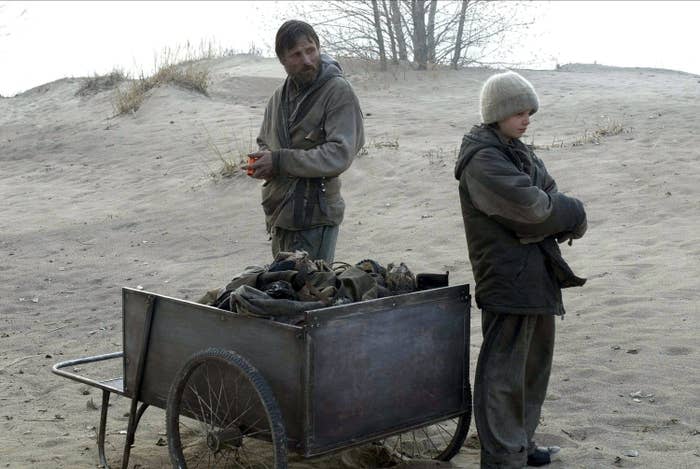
<point x="112" y="385"/>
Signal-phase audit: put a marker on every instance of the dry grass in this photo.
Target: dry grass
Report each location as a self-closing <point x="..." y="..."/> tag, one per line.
<point x="191" y="77"/>
<point x="231" y="156"/>
<point x="378" y="143"/>
<point x="130" y="99"/>
<point x="441" y="157"/>
<point x="98" y="83"/>
<point x="607" y="128"/>
<point x="181" y="67"/>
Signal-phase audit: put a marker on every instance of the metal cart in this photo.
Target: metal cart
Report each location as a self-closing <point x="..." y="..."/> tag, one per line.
<point x="242" y="391"/>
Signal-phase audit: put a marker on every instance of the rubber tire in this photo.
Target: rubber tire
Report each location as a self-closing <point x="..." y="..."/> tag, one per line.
<point x="264" y="394"/>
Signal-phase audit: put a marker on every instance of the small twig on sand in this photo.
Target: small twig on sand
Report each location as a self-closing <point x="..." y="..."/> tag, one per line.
<point x="19" y="360"/>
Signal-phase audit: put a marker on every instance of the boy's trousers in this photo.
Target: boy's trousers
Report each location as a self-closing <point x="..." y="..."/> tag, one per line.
<point x="511" y="380"/>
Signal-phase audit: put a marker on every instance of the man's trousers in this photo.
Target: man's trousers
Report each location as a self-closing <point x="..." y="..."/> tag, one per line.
<point x="318" y="242"/>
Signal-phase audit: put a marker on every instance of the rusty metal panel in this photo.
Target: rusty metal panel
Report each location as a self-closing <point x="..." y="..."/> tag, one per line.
<point x="181" y="328"/>
<point x="134" y="313"/>
<point x="384" y="366"/>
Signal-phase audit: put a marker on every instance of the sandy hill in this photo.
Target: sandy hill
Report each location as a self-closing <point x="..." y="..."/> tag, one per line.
<point x="92" y="202"/>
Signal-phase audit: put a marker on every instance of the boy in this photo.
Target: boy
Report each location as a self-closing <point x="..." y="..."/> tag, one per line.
<point x="513" y="217"/>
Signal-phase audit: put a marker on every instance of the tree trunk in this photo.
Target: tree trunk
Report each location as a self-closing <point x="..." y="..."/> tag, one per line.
<point x="392" y="40"/>
<point x="398" y="29"/>
<point x="380" y="36"/>
<point x="460" y="32"/>
<point x="431" y="31"/>
<point x="420" y="48"/>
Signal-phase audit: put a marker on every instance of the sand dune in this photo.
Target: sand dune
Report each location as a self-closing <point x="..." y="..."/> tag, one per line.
<point x="93" y="202"/>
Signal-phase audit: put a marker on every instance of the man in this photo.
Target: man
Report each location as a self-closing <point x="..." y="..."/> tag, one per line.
<point x="310" y="134"/>
<point x="513" y="217"/>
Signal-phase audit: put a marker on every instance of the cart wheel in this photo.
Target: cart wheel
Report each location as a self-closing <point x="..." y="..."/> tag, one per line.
<point x="221" y="413"/>
<point x="440" y="441"/>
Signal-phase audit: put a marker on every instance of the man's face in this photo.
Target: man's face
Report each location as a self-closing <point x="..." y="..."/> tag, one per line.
<point x="515" y="125"/>
<point x="302" y="61"/>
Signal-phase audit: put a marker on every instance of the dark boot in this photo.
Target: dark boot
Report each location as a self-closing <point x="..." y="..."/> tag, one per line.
<point x="541" y="456"/>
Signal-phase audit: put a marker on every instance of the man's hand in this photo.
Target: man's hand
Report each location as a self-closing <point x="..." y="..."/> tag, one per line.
<point x="262" y="167"/>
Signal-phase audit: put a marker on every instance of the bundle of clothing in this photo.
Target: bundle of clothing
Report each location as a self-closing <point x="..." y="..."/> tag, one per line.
<point x="294" y="283"/>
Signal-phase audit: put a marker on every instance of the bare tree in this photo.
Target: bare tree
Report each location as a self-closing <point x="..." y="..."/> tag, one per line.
<point x="398" y="22"/>
<point x="348" y="28"/>
<point x="430" y="31"/>
<point x="420" y="46"/>
<point x="457" y="54"/>
<point x="390" y="28"/>
<point x="458" y="33"/>
<point x="486" y="27"/>
<point x="380" y="35"/>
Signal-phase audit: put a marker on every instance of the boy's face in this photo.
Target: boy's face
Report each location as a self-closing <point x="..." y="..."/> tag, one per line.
<point x="302" y="61"/>
<point x="515" y="125"/>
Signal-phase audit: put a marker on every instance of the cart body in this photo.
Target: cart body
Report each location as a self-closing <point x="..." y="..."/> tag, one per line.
<point x="352" y="373"/>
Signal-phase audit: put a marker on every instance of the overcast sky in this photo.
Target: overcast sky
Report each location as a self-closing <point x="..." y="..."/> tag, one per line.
<point x="45" y="41"/>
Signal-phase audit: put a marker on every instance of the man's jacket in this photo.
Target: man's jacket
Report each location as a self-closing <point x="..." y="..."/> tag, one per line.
<point x="313" y="141"/>
<point x="512" y="213"/>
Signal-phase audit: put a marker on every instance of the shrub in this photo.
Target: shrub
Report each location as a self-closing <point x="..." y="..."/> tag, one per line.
<point x="190" y="77"/>
<point x="374" y="143"/>
<point x="608" y="128"/>
<point x="181" y="67"/>
<point x="232" y="157"/>
<point x="131" y="99"/>
<point x="98" y="83"/>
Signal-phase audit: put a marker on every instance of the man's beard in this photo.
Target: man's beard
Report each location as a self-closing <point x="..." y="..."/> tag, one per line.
<point x="306" y="76"/>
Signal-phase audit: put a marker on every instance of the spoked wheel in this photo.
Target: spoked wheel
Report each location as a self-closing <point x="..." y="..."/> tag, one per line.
<point x="440" y="441"/>
<point x="221" y="413"/>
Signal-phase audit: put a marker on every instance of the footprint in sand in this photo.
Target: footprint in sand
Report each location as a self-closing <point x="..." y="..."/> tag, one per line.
<point x="675" y="351"/>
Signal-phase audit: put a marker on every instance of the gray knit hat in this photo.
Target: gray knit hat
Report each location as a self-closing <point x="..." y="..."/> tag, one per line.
<point x="506" y="94"/>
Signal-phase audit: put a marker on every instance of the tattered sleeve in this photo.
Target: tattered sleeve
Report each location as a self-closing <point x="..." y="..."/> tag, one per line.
<point x="550" y="186"/>
<point x="265" y="128"/>
<point x="344" y="131"/>
<point x="506" y="194"/>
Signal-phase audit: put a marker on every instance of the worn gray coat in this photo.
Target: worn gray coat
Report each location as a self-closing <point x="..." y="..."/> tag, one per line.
<point x="311" y="144"/>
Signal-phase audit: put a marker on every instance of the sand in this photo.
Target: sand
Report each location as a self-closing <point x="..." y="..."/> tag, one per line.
<point x="92" y="203"/>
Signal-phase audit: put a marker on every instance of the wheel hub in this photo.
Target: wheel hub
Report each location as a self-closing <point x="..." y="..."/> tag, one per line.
<point x="220" y="439"/>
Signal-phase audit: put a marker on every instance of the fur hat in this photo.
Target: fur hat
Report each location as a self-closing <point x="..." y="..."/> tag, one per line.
<point x="506" y="94"/>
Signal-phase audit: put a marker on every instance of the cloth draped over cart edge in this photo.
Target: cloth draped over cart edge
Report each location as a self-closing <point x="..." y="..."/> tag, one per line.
<point x="294" y="283"/>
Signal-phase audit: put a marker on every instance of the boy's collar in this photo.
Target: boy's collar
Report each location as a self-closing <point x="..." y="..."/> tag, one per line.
<point x="502" y="138"/>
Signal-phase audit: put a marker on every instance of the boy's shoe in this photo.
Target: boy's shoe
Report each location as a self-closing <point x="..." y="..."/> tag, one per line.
<point x="542" y="455"/>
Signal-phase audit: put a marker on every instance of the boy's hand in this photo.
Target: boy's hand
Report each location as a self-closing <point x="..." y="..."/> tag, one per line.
<point x="576" y="233"/>
<point x="564" y="237"/>
<point x="580" y="229"/>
